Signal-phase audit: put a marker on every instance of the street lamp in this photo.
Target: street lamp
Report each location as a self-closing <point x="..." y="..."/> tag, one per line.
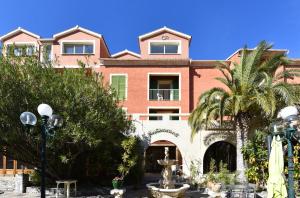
<point x="286" y="128"/>
<point x="49" y="123"/>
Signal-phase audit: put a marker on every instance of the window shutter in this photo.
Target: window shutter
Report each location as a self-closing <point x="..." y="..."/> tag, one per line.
<point x="175" y="94"/>
<point x="175" y="85"/>
<point x="122" y="87"/>
<point x="118" y="83"/>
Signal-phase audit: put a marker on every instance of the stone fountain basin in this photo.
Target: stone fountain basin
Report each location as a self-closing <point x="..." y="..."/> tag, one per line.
<point x="166" y="162"/>
<point x="157" y="192"/>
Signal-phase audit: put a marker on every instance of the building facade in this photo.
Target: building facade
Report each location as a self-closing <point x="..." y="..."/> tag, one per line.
<point x="158" y="88"/>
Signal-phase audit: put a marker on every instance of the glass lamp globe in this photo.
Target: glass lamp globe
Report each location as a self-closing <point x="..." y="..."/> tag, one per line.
<point x="288" y="112"/>
<point x="28" y="118"/>
<point x="45" y="110"/>
<point x="55" y="121"/>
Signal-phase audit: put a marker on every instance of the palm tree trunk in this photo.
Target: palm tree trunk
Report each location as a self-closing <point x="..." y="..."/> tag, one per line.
<point x="241" y="139"/>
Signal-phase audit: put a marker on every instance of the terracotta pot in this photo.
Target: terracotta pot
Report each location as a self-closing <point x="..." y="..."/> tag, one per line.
<point x="216" y="187"/>
<point x="210" y="185"/>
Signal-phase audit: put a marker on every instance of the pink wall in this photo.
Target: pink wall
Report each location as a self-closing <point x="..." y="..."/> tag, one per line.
<point x="63" y="59"/>
<point x="137" y="98"/>
<point x="203" y="79"/>
<point x="104" y="53"/>
<point x="20" y="37"/>
<point x="144" y="45"/>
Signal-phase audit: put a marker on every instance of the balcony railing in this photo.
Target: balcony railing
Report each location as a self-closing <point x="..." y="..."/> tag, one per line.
<point x="163" y="94"/>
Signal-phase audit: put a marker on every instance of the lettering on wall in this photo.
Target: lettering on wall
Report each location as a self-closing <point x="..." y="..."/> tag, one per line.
<point x="156" y="131"/>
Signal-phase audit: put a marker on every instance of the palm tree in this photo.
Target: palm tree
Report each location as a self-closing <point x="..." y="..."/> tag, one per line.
<point x="253" y="85"/>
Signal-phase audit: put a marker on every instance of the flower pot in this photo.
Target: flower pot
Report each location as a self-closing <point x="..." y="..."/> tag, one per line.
<point x="210" y="185"/>
<point x="117" y="184"/>
<point x="216" y="187"/>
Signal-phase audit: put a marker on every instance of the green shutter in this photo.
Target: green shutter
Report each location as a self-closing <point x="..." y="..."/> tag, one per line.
<point x="118" y="83"/>
<point x="175" y="85"/>
<point x="122" y="87"/>
<point x="153" y="84"/>
<point x="175" y="94"/>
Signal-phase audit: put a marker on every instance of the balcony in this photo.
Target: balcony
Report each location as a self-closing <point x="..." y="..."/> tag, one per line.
<point x="164" y="94"/>
<point x="164" y="87"/>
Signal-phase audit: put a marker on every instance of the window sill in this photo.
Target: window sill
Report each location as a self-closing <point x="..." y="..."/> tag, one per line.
<point x="164" y="54"/>
<point x="77" y="54"/>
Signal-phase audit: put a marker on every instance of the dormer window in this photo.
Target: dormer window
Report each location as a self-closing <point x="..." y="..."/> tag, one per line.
<point x="165" y="47"/>
<point x="77" y="47"/>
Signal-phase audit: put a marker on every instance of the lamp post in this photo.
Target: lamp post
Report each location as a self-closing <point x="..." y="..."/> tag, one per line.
<point x="49" y="123"/>
<point x="286" y="128"/>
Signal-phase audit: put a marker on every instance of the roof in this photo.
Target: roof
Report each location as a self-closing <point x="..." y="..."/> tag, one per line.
<point x="16" y="31"/>
<point x="294" y="62"/>
<point x="125" y="52"/>
<point x="141" y="62"/>
<point x="162" y="30"/>
<point x="251" y="49"/>
<point x="75" y="29"/>
<point x="46" y="39"/>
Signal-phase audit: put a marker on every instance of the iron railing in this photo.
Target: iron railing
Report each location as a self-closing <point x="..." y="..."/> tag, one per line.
<point x="163" y="94"/>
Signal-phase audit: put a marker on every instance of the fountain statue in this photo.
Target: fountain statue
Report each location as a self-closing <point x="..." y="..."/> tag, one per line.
<point x="167" y="188"/>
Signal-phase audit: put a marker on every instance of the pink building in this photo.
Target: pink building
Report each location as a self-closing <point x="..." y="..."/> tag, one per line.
<point x="158" y="87"/>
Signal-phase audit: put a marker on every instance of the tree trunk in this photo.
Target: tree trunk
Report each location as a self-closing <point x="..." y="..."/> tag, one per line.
<point x="241" y="139"/>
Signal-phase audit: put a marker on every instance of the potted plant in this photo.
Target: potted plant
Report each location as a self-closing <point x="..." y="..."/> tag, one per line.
<point x="117" y="182"/>
<point x="212" y="178"/>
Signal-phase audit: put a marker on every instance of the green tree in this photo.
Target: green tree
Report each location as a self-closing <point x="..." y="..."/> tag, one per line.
<point x="251" y="88"/>
<point x="256" y="154"/>
<point x="132" y="160"/>
<point x="89" y="143"/>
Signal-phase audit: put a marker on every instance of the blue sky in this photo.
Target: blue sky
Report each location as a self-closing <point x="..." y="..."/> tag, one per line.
<point x="218" y="27"/>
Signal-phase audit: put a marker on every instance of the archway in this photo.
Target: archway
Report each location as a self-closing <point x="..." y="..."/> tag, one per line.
<point x="156" y="151"/>
<point x="220" y="151"/>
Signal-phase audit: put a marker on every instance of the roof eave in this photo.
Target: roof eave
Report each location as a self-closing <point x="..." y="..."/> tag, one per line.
<point x="19" y="29"/>
<point x="125" y="52"/>
<point x="147" y="35"/>
<point x="55" y="36"/>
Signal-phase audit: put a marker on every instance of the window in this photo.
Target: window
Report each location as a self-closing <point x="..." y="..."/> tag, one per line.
<point x="164" y="48"/>
<point x="47" y="53"/>
<point x="119" y="84"/>
<point x="69" y="48"/>
<point x="20" y="50"/>
<point x="170" y="114"/>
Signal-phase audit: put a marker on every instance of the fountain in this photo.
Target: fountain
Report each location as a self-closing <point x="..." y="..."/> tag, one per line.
<point x="167" y="188"/>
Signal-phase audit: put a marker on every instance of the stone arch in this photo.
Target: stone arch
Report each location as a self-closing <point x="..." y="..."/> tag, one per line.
<point x="155" y="151"/>
<point x="220" y="151"/>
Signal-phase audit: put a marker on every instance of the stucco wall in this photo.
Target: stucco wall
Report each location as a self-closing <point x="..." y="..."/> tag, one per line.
<point x="144" y="47"/>
<point x="70" y="59"/>
<point x="137" y="97"/>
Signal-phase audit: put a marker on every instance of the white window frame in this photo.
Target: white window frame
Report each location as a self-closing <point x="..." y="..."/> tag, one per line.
<point x="42" y="50"/>
<point x="163" y="74"/>
<point x="80" y="42"/>
<point x="165" y="41"/>
<point x="126" y="81"/>
<point x="164" y="107"/>
<point x="34" y="44"/>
